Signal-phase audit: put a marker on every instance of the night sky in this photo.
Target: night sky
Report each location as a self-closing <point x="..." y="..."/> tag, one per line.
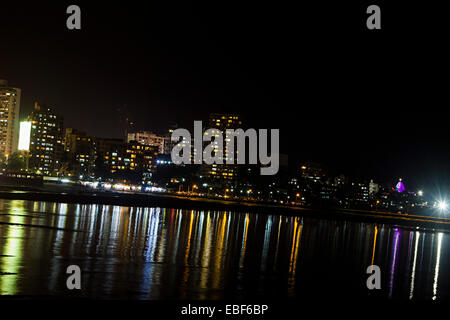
<point x="365" y="103"/>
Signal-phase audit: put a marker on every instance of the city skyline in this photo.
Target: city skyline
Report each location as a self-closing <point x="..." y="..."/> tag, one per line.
<point x="104" y="163"/>
<point x="160" y="134"/>
<point x="331" y="105"/>
<point x="224" y="159"/>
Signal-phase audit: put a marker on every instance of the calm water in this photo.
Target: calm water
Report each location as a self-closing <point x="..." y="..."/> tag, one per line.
<point x="157" y="253"/>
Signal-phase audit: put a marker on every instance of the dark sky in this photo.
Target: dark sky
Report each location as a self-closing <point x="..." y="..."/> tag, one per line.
<point x="371" y="103"/>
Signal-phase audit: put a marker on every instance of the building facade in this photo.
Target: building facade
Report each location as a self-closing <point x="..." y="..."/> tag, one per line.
<point x="9" y="118"/>
<point x="219" y="123"/>
<point x="150" y="139"/>
<point x="80" y="153"/>
<point x="141" y="159"/>
<point x="46" y="141"/>
<point x="134" y="162"/>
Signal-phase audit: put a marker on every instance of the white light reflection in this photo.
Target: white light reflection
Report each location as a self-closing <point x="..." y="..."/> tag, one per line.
<point x="244" y="242"/>
<point x="394" y="260"/>
<point x="265" y="249"/>
<point x="275" y="259"/>
<point x="436" y="270"/>
<point x="411" y="291"/>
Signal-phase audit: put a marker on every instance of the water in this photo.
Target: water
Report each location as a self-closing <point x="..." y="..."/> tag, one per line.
<point x="157" y="253"/>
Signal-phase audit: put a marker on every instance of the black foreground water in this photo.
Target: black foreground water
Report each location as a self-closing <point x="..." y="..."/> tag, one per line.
<point x="162" y="253"/>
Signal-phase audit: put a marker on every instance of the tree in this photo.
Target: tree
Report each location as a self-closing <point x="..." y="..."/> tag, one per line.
<point x="16" y="162"/>
<point x="3" y="164"/>
<point x="101" y="169"/>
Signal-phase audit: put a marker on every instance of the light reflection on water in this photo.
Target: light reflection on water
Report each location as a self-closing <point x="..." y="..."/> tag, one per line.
<point x="157" y="253"/>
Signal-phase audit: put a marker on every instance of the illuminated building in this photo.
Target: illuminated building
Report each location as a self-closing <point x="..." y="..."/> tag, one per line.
<point x="221" y="122"/>
<point x="80" y="152"/>
<point x="148" y="138"/>
<point x="312" y="171"/>
<point x="360" y="192"/>
<point x="108" y="156"/>
<point x="70" y="139"/>
<point x="46" y="141"/>
<point x="141" y="158"/>
<point x="9" y="118"/>
<point x="130" y="161"/>
<point x="354" y="194"/>
<point x="400" y="187"/>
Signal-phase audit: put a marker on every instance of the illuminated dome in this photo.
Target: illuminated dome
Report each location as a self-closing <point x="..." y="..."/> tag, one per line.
<point x="400" y="187"/>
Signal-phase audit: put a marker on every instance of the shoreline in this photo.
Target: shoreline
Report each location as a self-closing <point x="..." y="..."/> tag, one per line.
<point x="186" y="203"/>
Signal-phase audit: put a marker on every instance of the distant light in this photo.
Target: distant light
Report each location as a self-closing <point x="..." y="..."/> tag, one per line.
<point x="442" y="205"/>
<point x="420" y="193"/>
<point x="24" y="136"/>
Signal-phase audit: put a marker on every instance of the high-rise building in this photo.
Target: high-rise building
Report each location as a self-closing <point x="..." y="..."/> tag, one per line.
<point x="70" y="139"/>
<point x="46" y="141"/>
<point x="220" y="122"/>
<point x="129" y="161"/>
<point x="9" y="118"/>
<point x="141" y="159"/>
<point x="108" y="156"/>
<point x="80" y="151"/>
